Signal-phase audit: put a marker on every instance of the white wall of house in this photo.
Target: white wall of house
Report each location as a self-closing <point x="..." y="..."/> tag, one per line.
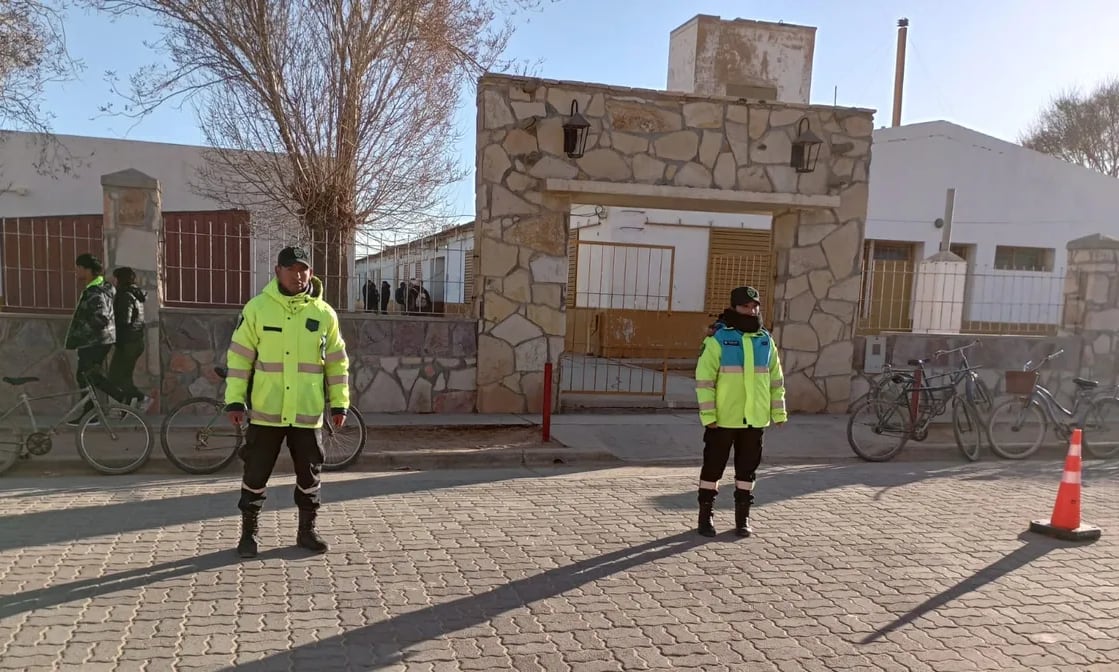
<point x="1005" y="195"/>
<point x="399" y="266"/>
<point x="638" y="278"/>
<point x="28" y="191"/>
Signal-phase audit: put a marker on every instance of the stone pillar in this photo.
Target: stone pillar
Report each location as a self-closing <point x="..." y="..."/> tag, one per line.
<point x="1091" y="308"/>
<point x="938" y="295"/>
<point x="133" y="220"/>
<point x="819" y="262"/>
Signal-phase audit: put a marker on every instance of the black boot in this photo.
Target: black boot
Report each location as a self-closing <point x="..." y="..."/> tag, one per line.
<point x="308" y="538"/>
<point x="247" y="546"/>
<point x="706" y="515"/>
<point x="742" y="501"/>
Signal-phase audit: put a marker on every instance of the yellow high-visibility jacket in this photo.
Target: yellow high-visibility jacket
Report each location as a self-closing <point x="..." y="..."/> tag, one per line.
<point x="738" y="380"/>
<point x="286" y="344"/>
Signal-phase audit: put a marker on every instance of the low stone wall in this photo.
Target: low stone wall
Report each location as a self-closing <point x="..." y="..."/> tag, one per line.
<point x="34" y="345"/>
<point x="398" y="364"/>
<point x="996" y="354"/>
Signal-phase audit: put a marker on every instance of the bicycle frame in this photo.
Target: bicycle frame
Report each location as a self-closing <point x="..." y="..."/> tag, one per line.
<point x="24" y="401"/>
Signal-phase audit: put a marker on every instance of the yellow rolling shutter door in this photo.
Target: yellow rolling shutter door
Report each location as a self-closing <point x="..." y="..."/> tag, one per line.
<point x="737" y="257"/>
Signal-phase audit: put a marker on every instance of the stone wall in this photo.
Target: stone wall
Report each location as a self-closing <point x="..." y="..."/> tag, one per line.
<point x="661" y="149"/>
<point x="33" y="345"/>
<point x="1092" y="304"/>
<point x="416" y="365"/>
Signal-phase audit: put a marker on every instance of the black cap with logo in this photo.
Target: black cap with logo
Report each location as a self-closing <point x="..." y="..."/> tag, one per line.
<point x="740" y="296"/>
<point x="289" y="256"/>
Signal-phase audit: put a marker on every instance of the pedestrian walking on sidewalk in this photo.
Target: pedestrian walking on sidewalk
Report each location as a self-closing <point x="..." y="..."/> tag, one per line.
<point x="92" y="331"/>
<point x="288" y="341"/>
<point x="741" y="391"/>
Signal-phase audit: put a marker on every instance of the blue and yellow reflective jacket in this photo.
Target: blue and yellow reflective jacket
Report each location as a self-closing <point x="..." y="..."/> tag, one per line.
<point x="292" y="349"/>
<point x="738" y="380"/>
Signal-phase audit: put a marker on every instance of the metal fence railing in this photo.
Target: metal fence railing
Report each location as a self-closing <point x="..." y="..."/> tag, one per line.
<point x="899" y="296"/>
<point x="37" y="257"/>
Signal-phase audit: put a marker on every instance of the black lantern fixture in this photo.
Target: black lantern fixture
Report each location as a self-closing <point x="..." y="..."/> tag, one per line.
<point x="806" y="148"/>
<point x="575" y="131"/>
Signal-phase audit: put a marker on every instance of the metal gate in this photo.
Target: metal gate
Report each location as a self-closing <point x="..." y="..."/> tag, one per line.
<point x="617" y="295"/>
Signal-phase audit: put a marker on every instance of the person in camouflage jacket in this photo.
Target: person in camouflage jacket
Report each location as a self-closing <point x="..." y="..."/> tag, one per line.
<point x="93" y="328"/>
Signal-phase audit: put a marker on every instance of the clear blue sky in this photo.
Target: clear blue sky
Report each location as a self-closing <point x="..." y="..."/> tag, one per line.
<point x="987" y="65"/>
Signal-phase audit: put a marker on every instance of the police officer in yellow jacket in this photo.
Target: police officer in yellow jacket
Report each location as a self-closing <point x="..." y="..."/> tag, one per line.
<point x="741" y="390"/>
<point x="289" y="344"/>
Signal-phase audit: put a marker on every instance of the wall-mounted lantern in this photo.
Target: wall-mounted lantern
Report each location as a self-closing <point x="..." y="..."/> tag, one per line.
<point x="575" y="131"/>
<point x="806" y="148"/>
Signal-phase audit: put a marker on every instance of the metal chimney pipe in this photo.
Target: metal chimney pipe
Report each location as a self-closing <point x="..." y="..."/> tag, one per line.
<point x="899" y="69"/>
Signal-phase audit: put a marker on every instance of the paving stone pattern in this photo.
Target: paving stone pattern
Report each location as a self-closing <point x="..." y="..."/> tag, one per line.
<point x="866" y="567"/>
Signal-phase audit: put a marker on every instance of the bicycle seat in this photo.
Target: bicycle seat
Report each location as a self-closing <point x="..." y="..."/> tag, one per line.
<point x="221" y="371"/>
<point x="1085" y="384"/>
<point x="21" y="381"/>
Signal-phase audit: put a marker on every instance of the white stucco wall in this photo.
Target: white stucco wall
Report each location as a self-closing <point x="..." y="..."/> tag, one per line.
<point x="1005" y="195"/>
<point x="26" y="193"/>
<point x="399" y="266"/>
<point x="708" y="53"/>
<point x="638" y="278"/>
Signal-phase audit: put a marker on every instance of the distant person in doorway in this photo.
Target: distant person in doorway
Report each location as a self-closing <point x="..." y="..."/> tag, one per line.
<point x="92" y="329"/>
<point x="741" y="391"/>
<point x="128" y="311"/>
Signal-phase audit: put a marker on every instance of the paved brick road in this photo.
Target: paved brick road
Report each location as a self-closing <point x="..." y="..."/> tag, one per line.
<point x="863" y="567"/>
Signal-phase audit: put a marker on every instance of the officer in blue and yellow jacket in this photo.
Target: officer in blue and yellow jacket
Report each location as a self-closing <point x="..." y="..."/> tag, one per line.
<point x="741" y="391"/>
<point x="289" y="344"/>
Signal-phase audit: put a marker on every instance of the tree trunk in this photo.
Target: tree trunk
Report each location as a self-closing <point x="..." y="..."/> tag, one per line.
<point x="331" y="247"/>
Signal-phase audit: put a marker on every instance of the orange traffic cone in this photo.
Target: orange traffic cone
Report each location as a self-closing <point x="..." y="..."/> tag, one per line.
<point x="1065" y="521"/>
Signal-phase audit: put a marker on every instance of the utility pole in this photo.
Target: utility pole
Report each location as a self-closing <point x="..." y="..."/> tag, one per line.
<point x="946" y="233"/>
<point x="899" y="69"/>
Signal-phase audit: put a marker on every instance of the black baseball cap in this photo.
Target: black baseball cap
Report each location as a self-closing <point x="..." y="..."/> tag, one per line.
<point x="289" y="256"/>
<point x="740" y="296"/>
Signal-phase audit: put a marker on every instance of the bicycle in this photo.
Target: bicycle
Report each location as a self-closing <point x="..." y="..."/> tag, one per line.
<point x="204" y="458"/>
<point x="1031" y="402"/>
<point x="39" y="442"/>
<point x="917" y="405"/>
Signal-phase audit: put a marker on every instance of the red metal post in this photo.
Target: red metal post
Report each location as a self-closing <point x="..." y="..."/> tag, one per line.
<point x="546" y="412"/>
<point x="915" y="401"/>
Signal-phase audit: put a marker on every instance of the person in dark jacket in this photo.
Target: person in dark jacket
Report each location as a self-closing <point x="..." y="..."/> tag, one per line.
<point x="370" y="297"/>
<point x="128" y="310"/>
<point x="92" y="330"/>
<point x="386" y="295"/>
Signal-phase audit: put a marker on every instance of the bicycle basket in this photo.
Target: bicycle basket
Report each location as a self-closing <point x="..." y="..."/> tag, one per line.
<point x="1020" y="383"/>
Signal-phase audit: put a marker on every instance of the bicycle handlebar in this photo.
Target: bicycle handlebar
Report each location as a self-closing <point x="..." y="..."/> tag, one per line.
<point x="941" y="353"/>
<point x="1043" y="361"/>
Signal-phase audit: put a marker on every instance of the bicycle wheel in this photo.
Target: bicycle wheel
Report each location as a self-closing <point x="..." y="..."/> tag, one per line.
<point x="198" y="438"/>
<point x="1016" y="428"/>
<point x="342" y="446"/>
<point x="874" y="419"/>
<point x="967" y="428"/>
<point x="1101" y="428"/>
<point x="121" y="440"/>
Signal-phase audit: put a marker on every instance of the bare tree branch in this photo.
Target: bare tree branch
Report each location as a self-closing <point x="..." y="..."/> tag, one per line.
<point x="336" y="114"/>
<point x="33" y="54"/>
<point x="1081" y="129"/>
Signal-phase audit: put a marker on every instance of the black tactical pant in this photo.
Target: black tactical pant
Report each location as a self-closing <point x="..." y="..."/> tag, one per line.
<point x="717" y="444"/>
<point x="122" y="367"/>
<point x="90" y="362"/>
<point x="259" y="453"/>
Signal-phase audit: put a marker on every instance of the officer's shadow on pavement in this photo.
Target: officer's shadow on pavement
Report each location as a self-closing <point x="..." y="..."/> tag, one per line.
<point x="76" y="591"/>
<point x="83" y="522"/>
<point x="1034" y="548"/>
<point x="384" y="643"/>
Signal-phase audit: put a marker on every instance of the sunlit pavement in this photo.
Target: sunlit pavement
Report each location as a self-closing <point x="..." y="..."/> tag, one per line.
<point x="896" y="566"/>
